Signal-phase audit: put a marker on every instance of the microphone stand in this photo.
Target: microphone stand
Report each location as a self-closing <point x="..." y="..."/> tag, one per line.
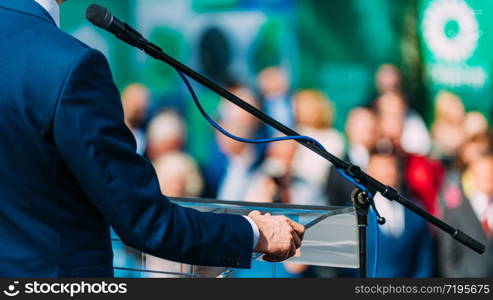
<point x="370" y="183"/>
<point x="361" y="201"/>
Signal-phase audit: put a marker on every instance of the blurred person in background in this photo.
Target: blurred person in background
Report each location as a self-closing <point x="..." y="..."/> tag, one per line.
<point x="274" y="90"/>
<point x="459" y="182"/>
<point x="135" y="101"/>
<point x="415" y="136"/>
<point x="239" y="161"/>
<point x="314" y="116"/>
<point x="405" y="243"/>
<point x="274" y="183"/>
<point x="361" y="132"/>
<point x="422" y="174"/>
<point x="388" y="78"/>
<point x="474" y="215"/>
<point x="475" y="124"/>
<point x="178" y="176"/>
<point x="391" y="113"/>
<point x="472" y="149"/>
<point x="448" y="130"/>
<point x="166" y="133"/>
<point x="401" y="124"/>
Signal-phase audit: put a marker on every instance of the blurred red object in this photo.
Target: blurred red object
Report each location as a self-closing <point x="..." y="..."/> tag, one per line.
<point x="424" y="177"/>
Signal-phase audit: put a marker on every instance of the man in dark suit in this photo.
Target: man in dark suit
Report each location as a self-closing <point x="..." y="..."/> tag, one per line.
<point x="69" y="168"/>
<point x="471" y="211"/>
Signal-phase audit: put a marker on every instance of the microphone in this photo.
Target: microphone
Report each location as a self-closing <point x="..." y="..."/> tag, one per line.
<point x="101" y="17"/>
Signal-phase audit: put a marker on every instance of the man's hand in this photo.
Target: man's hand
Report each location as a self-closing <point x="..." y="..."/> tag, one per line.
<point x="279" y="236"/>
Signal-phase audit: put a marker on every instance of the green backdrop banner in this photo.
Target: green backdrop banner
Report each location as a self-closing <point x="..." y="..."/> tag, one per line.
<point x="341" y="43"/>
<point x="457" y="49"/>
<point x="335" y="46"/>
<point x="120" y="56"/>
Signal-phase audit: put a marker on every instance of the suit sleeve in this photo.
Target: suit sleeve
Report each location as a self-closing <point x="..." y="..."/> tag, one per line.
<point x="100" y="151"/>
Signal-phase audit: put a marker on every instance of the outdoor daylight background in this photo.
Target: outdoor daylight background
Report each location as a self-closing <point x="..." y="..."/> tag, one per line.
<point x="402" y="88"/>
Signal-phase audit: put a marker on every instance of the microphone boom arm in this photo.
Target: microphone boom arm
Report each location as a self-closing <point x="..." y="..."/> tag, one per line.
<point x="351" y="170"/>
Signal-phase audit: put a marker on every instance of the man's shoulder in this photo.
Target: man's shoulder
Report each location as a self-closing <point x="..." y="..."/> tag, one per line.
<point x="61" y="51"/>
<point x="39" y="36"/>
<point x="39" y="46"/>
<point x="60" y="45"/>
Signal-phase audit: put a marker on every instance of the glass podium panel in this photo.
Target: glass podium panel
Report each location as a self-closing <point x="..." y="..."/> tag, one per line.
<point x="331" y="240"/>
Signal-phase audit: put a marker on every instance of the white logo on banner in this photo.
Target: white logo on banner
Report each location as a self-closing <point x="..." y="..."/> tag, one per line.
<point x="450" y="30"/>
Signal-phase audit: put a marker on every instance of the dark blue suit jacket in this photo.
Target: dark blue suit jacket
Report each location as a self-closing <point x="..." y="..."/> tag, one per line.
<point x="69" y="170"/>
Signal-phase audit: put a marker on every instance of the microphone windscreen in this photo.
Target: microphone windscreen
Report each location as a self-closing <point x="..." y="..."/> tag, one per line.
<point x="99" y="15"/>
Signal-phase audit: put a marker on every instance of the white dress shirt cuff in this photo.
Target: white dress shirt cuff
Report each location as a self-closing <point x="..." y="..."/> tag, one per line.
<point x="256" y="232"/>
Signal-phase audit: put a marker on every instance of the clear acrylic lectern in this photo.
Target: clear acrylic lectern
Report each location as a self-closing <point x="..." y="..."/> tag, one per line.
<point x="331" y="239"/>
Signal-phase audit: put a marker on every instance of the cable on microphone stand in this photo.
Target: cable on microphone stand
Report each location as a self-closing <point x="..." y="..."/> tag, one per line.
<point x="378" y="220"/>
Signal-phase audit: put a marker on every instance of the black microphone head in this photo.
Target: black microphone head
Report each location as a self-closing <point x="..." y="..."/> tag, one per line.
<point x="99" y="16"/>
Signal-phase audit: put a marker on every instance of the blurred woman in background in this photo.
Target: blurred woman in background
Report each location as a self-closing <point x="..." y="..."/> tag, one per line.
<point x="314" y="117"/>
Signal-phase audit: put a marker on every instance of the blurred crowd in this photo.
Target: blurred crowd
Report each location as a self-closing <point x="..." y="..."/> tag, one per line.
<point x="446" y="168"/>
